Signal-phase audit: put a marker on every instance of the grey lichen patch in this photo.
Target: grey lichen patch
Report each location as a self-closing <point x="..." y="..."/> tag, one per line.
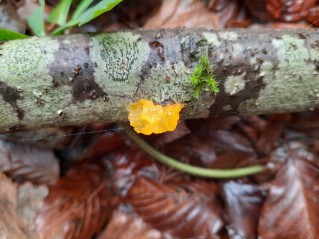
<point x="314" y="52"/>
<point x="46" y="102"/>
<point x="237" y="49"/>
<point x="119" y="58"/>
<point x="212" y="38"/>
<point x="112" y="110"/>
<point x="292" y="85"/>
<point x="234" y="84"/>
<point x="167" y="82"/>
<point x="216" y="38"/>
<point x="229" y="35"/>
<point x="24" y="68"/>
<point x="25" y="62"/>
<point x="247" y="106"/>
<point x="7" y="117"/>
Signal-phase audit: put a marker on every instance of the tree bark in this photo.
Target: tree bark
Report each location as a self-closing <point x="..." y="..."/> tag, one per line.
<point x="81" y="79"/>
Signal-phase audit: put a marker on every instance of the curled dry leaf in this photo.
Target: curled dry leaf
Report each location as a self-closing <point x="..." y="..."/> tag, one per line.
<point x="181" y="210"/>
<point x="77" y="205"/>
<point x="134" y="227"/>
<point x="291" y="208"/>
<point x="24" y="162"/>
<point x="243" y="202"/>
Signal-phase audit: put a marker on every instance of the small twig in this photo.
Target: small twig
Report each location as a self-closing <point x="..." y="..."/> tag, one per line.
<point x="193" y="170"/>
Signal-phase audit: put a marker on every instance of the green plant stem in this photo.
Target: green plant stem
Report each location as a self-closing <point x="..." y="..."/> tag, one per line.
<point x="192" y="170"/>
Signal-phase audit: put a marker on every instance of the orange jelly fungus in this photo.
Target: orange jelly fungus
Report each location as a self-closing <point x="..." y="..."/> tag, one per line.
<point x="147" y="118"/>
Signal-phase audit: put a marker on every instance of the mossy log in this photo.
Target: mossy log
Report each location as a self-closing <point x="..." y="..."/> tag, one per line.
<point x="81" y="79"/>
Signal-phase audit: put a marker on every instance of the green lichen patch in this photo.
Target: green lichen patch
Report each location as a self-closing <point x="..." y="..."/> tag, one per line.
<point x="203" y="79"/>
<point x="119" y="58"/>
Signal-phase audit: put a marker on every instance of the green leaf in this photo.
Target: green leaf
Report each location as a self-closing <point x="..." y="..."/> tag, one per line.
<point x="36" y="21"/>
<point x="97" y="10"/>
<point x="6" y="35"/>
<point x="60" y="12"/>
<point x="81" y="8"/>
<point x="89" y="14"/>
<point x="60" y="30"/>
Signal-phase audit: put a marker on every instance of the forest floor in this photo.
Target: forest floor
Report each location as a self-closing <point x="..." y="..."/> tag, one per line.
<point x="93" y="182"/>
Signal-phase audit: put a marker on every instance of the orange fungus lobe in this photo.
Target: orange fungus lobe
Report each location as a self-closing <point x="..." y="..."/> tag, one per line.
<point x="147" y="118"/>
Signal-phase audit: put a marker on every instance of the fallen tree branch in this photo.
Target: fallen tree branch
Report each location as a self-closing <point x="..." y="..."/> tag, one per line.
<point x="81" y="79"/>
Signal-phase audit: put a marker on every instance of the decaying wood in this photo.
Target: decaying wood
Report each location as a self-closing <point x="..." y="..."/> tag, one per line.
<point x="81" y="79"/>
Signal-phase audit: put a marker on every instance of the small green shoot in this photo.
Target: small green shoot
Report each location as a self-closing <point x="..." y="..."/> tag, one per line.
<point x="6" y="35"/>
<point x="190" y="169"/>
<point x="85" y="15"/>
<point x="82" y="14"/>
<point x="202" y="78"/>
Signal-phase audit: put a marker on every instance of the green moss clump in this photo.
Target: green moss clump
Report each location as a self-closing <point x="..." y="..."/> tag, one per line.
<point x="202" y="78"/>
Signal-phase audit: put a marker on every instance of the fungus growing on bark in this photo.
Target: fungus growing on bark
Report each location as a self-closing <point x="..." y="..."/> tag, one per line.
<point x="147" y="118"/>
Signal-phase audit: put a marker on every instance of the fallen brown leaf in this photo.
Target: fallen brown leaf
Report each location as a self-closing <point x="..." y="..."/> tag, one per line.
<point x="24" y="162"/>
<point x="182" y="210"/>
<point x="180" y="13"/>
<point x="243" y="202"/>
<point x="18" y="206"/>
<point x="77" y="205"/>
<point x="291" y="208"/>
<point x="127" y="226"/>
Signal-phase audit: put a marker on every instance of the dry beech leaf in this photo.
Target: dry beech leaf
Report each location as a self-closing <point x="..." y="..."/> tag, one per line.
<point x="24" y="162"/>
<point x="182" y="210"/>
<point x="77" y="205"/>
<point x="9" y="18"/>
<point x="271" y="133"/>
<point x="126" y="226"/>
<point x="286" y="11"/>
<point x="313" y="16"/>
<point x="129" y="165"/>
<point x="181" y="13"/>
<point x="11" y="225"/>
<point x="104" y="144"/>
<point x="243" y="202"/>
<point x="289" y="11"/>
<point x="291" y="208"/>
<point x="18" y="206"/>
<point x="219" y="149"/>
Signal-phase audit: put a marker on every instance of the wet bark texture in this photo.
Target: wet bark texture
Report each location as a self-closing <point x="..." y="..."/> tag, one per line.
<point x="81" y="79"/>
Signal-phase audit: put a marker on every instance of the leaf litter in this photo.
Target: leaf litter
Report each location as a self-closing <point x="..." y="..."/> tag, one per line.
<point x="103" y="186"/>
